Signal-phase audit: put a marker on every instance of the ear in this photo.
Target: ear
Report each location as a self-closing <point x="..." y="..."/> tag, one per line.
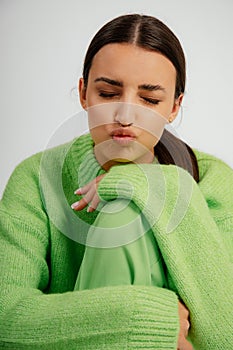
<point x="82" y="93"/>
<point x="175" y="108"/>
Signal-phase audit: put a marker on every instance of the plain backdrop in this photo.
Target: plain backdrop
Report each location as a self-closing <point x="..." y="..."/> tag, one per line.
<point x="43" y="44"/>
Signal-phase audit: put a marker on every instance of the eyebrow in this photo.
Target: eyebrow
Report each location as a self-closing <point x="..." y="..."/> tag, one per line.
<point x="109" y="81"/>
<point x="150" y="87"/>
<point x="147" y="87"/>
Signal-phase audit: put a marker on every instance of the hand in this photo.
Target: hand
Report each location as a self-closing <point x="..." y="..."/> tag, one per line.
<point x="183" y="344"/>
<point x="90" y="195"/>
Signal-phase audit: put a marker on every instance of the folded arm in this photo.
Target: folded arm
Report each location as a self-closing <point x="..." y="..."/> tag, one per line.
<point x="31" y="317"/>
<point x="194" y="244"/>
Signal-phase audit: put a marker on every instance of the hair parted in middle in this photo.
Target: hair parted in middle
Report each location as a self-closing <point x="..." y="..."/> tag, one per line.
<point x="152" y="34"/>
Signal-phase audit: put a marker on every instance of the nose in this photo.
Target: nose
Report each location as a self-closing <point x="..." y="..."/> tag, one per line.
<point x="125" y="114"/>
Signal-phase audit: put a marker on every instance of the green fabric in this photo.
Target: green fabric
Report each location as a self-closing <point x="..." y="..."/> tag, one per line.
<point x="195" y="238"/>
<point x="42" y="247"/>
<point x="139" y="262"/>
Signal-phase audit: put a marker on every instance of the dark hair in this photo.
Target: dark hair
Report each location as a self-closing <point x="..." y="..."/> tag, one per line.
<point x="150" y="33"/>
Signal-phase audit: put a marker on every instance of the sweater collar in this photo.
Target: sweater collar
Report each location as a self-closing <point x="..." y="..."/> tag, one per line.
<point x="86" y="165"/>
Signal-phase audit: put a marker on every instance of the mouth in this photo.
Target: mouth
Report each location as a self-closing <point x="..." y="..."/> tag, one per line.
<point x="123" y="137"/>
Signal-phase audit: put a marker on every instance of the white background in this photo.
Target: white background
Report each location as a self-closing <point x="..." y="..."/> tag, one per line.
<point x="43" y="44"/>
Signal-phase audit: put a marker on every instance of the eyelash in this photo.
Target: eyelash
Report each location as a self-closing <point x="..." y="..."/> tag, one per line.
<point x="107" y="94"/>
<point x="151" y="101"/>
<point x="145" y="99"/>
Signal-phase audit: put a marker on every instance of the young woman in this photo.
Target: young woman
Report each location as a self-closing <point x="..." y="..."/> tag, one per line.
<point x="152" y="252"/>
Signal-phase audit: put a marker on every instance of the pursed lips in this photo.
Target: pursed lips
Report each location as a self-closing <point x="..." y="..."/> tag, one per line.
<point x="123" y="136"/>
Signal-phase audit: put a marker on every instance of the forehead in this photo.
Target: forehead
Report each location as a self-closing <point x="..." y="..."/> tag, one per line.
<point x="128" y="62"/>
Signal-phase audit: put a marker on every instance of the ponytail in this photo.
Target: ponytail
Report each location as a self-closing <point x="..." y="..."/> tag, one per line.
<point x="172" y="150"/>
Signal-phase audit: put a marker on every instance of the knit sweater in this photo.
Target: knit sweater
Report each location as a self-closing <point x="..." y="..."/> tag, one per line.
<point x="42" y="246"/>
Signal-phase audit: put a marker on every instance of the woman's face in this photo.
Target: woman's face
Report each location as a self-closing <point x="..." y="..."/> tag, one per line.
<point x="129" y="98"/>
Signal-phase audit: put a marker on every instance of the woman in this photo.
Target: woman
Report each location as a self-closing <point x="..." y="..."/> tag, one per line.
<point x="133" y="84"/>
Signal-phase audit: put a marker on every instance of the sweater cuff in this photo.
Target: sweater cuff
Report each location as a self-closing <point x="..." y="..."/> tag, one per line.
<point x="155" y="320"/>
<point x="131" y="181"/>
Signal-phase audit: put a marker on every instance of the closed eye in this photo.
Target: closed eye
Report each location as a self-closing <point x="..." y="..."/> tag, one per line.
<point x="108" y="94"/>
<point x="152" y="101"/>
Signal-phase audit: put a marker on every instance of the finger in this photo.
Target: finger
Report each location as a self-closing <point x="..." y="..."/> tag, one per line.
<point x="185" y="327"/>
<point x="86" y="188"/>
<point x="188" y="346"/>
<point x="80" y="204"/>
<point x="85" y="200"/>
<point x="184" y="345"/>
<point x="183" y="310"/>
<point x="94" y="203"/>
<point x="98" y="178"/>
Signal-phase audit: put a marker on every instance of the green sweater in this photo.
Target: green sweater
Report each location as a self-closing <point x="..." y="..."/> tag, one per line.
<point x="42" y="245"/>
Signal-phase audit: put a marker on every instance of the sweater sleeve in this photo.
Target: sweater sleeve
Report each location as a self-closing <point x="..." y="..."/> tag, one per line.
<point x="193" y="225"/>
<point x="122" y="317"/>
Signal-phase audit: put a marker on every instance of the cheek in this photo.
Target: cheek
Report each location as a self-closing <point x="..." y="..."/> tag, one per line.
<point x="152" y="125"/>
<point x="92" y="100"/>
<point x="149" y="140"/>
<point x="164" y="110"/>
<point x="99" y="134"/>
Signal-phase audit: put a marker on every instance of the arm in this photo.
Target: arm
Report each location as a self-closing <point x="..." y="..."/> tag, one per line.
<point x="192" y="242"/>
<point x="32" y="318"/>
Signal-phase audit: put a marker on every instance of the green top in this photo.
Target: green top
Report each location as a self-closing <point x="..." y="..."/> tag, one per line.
<point x="139" y="262"/>
<point x="41" y="250"/>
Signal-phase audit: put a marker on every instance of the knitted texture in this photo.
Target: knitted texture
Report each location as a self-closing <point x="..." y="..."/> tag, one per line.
<point x="193" y="225"/>
<point x="42" y="246"/>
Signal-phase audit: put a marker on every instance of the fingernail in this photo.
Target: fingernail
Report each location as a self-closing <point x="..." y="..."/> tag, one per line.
<point x="74" y="205"/>
<point x="78" y="191"/>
